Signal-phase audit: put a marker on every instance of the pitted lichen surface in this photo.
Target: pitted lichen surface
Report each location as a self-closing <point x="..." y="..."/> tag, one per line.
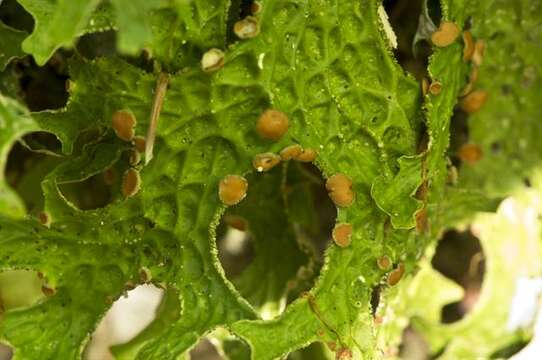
<point x="328" y="66"/>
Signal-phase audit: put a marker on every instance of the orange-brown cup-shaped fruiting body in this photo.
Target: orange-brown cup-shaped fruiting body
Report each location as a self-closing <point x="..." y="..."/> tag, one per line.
<point x="123" y="122"/>
<point x="478" y="54"/>
<point x="135" y="157"/>
<point x="474" y="101"/>
<point x="470" y="153"/>
<point x="232" y="189"/>
<point x="339" y="187"/>
<point x="272" y="124"/>
<point x="307" y="155"/>
<point x="343" y="354"/>
<point x="291" y="152"/>
<point x="48" y="291"/>
<point x="247" y="28"/>
<point x="446" y="34"/>
<point x="44" y="218"/>
<point x="342" y="234"/>
<point x="435" y="87"/>
<point x="468" y="49"/>
<point x="384" y="262"/>
<point x="395" y="275"/>
<point x="139" y="143"/>
<point x="131" y="183"/>
<point x="265" y="161"/>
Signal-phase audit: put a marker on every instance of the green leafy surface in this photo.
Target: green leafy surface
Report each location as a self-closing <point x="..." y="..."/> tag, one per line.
<point x="57" y="23"/>
<point x="15" y="121"/>
<point x="327" y="65"/>
<point x="171" y="29"/>
<point x="11" y="44"/>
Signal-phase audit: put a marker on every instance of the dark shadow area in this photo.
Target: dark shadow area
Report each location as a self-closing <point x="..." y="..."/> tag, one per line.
<point x="41" y="141"/>
<point x="92" y="193"/>
<point x="43" y="87"/>
<point x="434" y="10"/>
<point x="403" y="17"/>
<point x="104" y="44"/>
<point x="15" y="16"/>
<point x="95" y="45"/>
<point x="375" y="298"/>
<point x="460" y="257"/>
<point x="459" y="135"/>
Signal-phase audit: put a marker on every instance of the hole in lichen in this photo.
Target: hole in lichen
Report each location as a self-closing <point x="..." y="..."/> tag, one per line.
<point x="434" y="10"/>
<point x="92" y="46"/>
<point x="43" y="87"/>
<point x="104" y="44"/>
<point x="276" y="236"/>
<point x="375" y="299"/>
<point x="460" y="257"/>
<point x="413" y="345"/>
<point x="126" y="318"/>
<point x="245" y="8"/>
<point x="89" y="194"/>
<point x="15" y="16"/>
<point x="25" y="169"/>
<point x="41" y="141"/>
<point x="19" y="289"/>
<point x="404" y="16"/>
<point x="459" y="135"/>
